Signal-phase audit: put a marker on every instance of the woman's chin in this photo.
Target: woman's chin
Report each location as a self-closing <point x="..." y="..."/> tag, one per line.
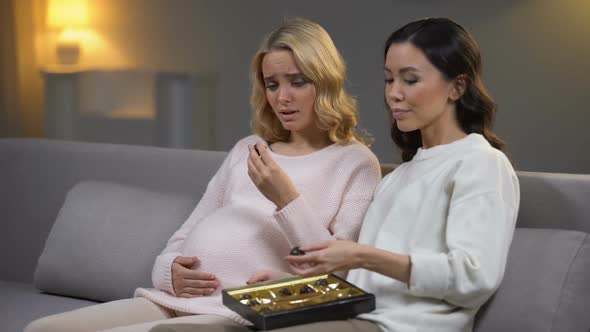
<point x="405" y="127"/>
<point x="289" y="126"/>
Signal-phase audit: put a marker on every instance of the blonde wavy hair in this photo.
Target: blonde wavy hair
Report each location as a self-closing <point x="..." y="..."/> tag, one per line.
<point x="319" y="61"/>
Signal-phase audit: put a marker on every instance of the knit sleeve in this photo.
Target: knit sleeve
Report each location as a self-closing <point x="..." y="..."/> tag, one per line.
<point x="480" y="225"/>
<point x="301" y="224"/>
<point x="212" y="199"/>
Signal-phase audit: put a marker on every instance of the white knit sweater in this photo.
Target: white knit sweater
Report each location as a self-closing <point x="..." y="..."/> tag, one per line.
<point x="235" y="231"/>
<point x="453" y="209"/>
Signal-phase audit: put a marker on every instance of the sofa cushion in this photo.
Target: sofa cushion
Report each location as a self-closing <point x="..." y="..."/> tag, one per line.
<point x="105" y="239"/>
<point x="546" y="285"/>
<point x="22" y="303"/>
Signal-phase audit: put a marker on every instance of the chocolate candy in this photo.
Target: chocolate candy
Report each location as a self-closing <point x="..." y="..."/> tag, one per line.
<point x="306" y="289"/>
<point x="285" y="291"/>
<point x="321" y="282"/>
<point x="296" y="252"/>
<point x="253" y="303"/>
<point x="246" y="297"/>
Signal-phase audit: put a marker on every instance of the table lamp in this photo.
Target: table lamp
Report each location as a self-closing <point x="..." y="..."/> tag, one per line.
<point x="67" y="17"/>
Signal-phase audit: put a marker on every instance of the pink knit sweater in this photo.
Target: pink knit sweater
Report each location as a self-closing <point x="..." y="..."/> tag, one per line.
<point x="235" y="231"/>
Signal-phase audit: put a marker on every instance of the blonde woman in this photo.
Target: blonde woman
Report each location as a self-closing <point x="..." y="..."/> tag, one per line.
<point x="303" y="177"/>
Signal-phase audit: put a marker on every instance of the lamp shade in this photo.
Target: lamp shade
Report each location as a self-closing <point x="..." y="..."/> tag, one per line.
<point x="67" y="13"/>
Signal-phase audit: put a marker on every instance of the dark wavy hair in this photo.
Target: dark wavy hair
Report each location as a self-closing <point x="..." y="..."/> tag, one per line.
<point x="453" y="51"/>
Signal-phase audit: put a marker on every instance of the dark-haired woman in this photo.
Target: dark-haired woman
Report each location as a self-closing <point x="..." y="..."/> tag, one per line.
<point x="434" y="242"/>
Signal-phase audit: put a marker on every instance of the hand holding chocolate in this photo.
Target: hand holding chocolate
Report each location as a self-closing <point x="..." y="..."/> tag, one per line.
<point x="296" y="252"/>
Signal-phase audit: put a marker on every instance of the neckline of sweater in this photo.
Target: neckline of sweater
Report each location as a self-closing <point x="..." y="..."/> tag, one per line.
<point x="467" y="142"/>
<point x="313" y="153"/>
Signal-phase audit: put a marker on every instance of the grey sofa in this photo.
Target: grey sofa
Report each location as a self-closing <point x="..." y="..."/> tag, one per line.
<point x="82" y="223"/>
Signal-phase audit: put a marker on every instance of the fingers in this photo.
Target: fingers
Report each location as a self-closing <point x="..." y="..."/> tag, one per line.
<point x="255" y="279"/>
<point x="308" y="258"/>
<point x="189" y="292"/>
<point x="196" y="275"/>
<point x="190" y="287"/>
<point x="259" y="159"/>
<point x="259" y="277"/>
<point x="260" y="156"/>
<point x="306" y="270"/>
<point x="253" y="172"/>
<point x="311" y="254"/>
<point x="256" y="167"/>
<point x="186" y="261"/>
<point x="256" y="158"/>
<point x="265" y="155"/>
<point x="190" y="283"/>
<point x="317" y="246"/>
<point x="197" y="287"/>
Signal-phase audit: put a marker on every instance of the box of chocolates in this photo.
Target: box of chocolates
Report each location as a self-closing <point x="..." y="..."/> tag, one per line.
<point x="298" y="300"/>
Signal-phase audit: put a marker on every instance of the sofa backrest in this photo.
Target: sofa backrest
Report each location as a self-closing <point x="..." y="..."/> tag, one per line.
<point x="549" y="200"/>
<point x="36" y="174"/>
<point x="554" y="200"/>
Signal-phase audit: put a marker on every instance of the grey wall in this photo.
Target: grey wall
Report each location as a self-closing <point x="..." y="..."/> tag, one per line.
<point x="535" y="64"/>
<point x="535" y="60"/>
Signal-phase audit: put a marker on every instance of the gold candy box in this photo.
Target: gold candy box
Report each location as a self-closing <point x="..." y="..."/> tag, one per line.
<point x="298" y="300"/>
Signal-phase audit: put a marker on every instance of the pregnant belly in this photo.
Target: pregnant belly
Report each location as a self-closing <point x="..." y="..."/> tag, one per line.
<point x="235" y="246"/>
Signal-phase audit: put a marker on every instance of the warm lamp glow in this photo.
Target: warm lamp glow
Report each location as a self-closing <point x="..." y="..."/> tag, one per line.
<point x="71" y="35"/>
<point x="68" y="17"/>
<point x="67" y="13"/>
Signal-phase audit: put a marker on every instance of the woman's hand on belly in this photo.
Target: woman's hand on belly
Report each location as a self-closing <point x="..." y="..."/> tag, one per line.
<point x="189" y="283"/>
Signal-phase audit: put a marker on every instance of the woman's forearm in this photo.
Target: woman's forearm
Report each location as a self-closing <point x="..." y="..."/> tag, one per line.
<point x="385" y="262"/>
